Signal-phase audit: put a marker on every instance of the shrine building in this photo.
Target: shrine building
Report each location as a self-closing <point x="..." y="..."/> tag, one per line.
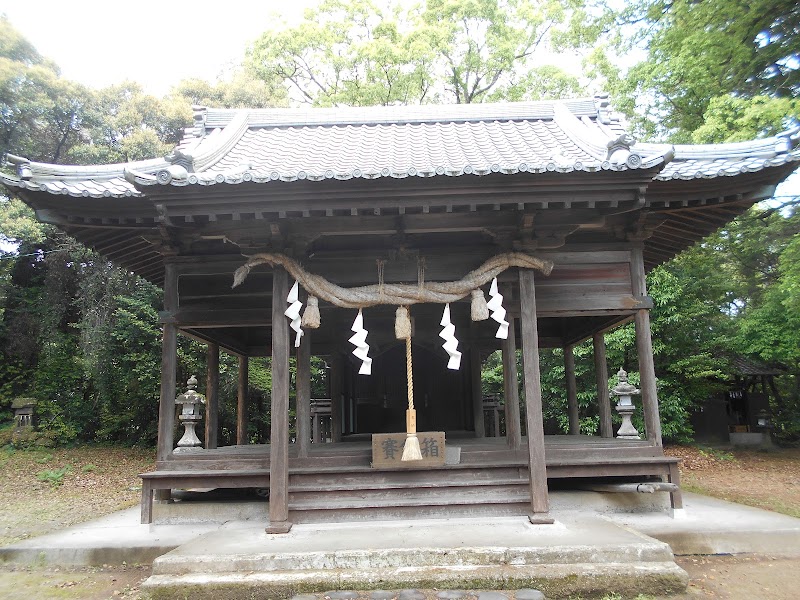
<point x="544" y="217"/>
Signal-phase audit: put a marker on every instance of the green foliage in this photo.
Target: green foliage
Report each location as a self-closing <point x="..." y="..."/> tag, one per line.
<point x="54" y="477"/>
<point x="702" y="60"/>
<point x="362" y="53"/>
<point x="241" y="90"/>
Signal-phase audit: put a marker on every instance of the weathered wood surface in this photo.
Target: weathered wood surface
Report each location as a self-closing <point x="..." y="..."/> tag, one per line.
<point x="476" y="391"/>
<point x="644" y="351"/>
<point x="303" y="395"/>
<point x="387" y="450"/>
<point x="169" y="357"/>
<point x="508" y="347"/>
<point x="242" y="401"/>
<point x="533" y="394"/>
<point x="279" y="422"/>
<point x="212" y="395"/>
<point x="337" y="391"/>
<point x="572" y="391"/>
<point x="601" y="380"/>
<point x="647" y="377"/>
<point x="169" y="480"/>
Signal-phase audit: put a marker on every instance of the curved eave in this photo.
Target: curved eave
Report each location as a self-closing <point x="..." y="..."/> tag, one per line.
<point x="246" y="176"/>
<point x="683" y="212"/>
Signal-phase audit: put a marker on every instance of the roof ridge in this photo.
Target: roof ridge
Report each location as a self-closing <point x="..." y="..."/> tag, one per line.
<point x="401" y="115"/>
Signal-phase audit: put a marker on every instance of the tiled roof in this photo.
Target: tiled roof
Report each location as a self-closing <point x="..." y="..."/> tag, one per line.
<point x="235" y="146"/>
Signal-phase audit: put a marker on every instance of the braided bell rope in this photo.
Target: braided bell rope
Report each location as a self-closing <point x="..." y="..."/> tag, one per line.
<point x="409" y="375"/>
<point x="399" y="294"/>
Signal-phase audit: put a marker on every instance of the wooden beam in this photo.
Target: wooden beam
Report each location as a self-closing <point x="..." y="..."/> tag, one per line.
<point x="223" y="317"/>
<point x="601" y="378"/>
<point x="303" y="383"/>
<point x="241" y="401"/>
<point x="540" y="504"/>
<point x="279" y="426"/>
<point x="572" y="391"/>
<point x="508" y="348"/>
<point x="212" y="395"/>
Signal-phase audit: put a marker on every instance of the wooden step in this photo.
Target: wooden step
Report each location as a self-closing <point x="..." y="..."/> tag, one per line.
<point x="424" y="495"/>
<point x="401" y="485"/>
<point x="391" y="501"/>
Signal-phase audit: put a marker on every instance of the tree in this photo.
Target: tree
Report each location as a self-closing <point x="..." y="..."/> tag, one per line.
<point x="359" y="53"/>
<point x="241" y="90"/>
<point x="699" y="52"/>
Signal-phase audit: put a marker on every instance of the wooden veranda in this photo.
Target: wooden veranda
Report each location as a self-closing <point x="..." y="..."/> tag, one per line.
<point x="336" y="482"/>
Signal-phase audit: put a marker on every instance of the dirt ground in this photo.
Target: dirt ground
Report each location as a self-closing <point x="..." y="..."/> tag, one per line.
<point x="98" y="481"/>
<point x="44" y="490"/>
<point x="768" y="479"/>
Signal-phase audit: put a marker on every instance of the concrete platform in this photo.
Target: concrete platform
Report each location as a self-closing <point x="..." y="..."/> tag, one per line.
<point x="578" y="555"/>
<point x="711" y="526"/>
<point x="509" y="552"/>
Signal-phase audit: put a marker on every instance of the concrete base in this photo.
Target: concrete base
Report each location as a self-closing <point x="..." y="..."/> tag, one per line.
<point x="710" y="526"/>
<point x="575" y="556"/>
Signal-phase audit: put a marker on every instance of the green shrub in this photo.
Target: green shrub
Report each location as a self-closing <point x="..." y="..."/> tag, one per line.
<point x="55" y="477"/>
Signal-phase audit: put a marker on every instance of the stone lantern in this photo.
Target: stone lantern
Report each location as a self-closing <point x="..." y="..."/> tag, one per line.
<point x="190" y="415"/>
<point x="623" y="391"/>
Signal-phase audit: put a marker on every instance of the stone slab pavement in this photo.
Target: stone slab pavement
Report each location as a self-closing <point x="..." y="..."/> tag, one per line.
<point x="706" y="526"/>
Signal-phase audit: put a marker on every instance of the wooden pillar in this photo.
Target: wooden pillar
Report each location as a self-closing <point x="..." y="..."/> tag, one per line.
<point x="647" y="376"/>
<point x="508" y="347"/>
<point x="337" y="392"/>
<point x="303" y="422"/>
<point x="572" y="391"/>
<point x="644" y="350"/>
<point x="540" y="502"/>
<point x="279" y="416"/>
<point x="241" y="403"/>
<point x="603" y="394"/>
<point x="477" y="391"/>
<point x="212" y="395"/>
<point x="169" y="360"/>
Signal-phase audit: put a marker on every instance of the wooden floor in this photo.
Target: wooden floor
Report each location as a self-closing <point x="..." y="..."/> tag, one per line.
<point x="337" y="481"/>
<point x="566" y="456"/>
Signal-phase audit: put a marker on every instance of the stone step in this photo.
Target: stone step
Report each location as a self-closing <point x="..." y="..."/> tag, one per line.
<point x="574" y="556"/>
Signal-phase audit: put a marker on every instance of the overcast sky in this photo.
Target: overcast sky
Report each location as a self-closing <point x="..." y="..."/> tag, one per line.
<point x="156" y="43"/>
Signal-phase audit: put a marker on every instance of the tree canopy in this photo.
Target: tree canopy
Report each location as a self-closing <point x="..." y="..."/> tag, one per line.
<point x="361" y="52"/>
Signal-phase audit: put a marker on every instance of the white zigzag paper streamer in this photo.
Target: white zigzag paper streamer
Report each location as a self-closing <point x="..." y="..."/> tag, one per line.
<point x="498" y="312"/>
<point x="448" y="334"/>
<point x="293" y="312"/>
<point x="359" y="340"/>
